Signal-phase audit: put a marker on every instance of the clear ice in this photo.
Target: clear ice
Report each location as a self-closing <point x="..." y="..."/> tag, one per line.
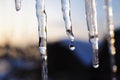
<point x="68" y="24"/>
<point x="42" y="32"/>
<point x="18" y="5"/>
<point x="91" y="18"/>
<point x="111" y="40"/>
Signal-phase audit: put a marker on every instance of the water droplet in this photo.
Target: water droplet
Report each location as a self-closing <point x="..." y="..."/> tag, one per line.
<point x="71" y="46"/>
<point x="96" y="65"/>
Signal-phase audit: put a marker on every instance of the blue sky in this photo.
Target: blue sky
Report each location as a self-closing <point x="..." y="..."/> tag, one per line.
<point x="23" y="24"/>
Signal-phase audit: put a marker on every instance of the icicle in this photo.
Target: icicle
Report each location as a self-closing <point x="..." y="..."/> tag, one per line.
<point x="42" y="30"/>
<point x="111" y="40"/>
<point x="67" y="18"/>
<point x="91" y="18"/>
<point x="18" y="5"/>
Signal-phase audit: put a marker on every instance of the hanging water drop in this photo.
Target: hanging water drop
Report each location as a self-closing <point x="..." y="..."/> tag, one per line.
<point x="111" y="40"/>
<point x="42" y="32"/>
<point x="67" y="18"/>
<point x="96" y="66"/>
<point x="71" y="46"/>
<point x="18" y="5"/>
<point x="91" y="18"/>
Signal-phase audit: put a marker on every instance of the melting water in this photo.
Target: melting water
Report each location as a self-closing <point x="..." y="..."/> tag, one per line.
<point x="71" y="46"/>
<point x="68" y="24"/>
<point x="18" y="5"/>
<point x="111" y="40"/>
<point x="42" y="31"/>
<point x="90" y="6"/>
<point x="91" y="18"/>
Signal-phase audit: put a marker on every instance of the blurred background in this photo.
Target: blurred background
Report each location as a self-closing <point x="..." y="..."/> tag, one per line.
<point x="19" y="40"/>
<point x="22" y="25"/>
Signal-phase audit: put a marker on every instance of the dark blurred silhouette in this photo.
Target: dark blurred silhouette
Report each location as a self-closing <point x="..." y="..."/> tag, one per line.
<point x="105" y="68"/>
<point x="24" y="63"/>
<point x="63" y="64"/>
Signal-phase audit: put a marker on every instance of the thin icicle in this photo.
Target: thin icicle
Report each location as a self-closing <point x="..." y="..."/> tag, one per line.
<point x="42" y="30"/>
<point x="18" y="5"/>
<point x="111" y="40"/>
<point x="68" y="24"/>
<point x="91" y="18"/>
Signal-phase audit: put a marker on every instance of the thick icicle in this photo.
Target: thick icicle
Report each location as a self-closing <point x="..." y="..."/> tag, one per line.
<point x="111" y="40"/>
<point x="18" y="5"/>
<point x="91" y="18"/>
<point x="68" y="24"/>
<point x="42" y="30"/>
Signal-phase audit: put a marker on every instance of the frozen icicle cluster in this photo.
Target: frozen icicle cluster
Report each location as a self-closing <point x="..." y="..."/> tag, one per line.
<point x="111" y="40"/>
<point x="42" y="30"/>
<point x="68" y="24"/>
<point x="18" y="5"/>
<point x="91" y="18"/>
